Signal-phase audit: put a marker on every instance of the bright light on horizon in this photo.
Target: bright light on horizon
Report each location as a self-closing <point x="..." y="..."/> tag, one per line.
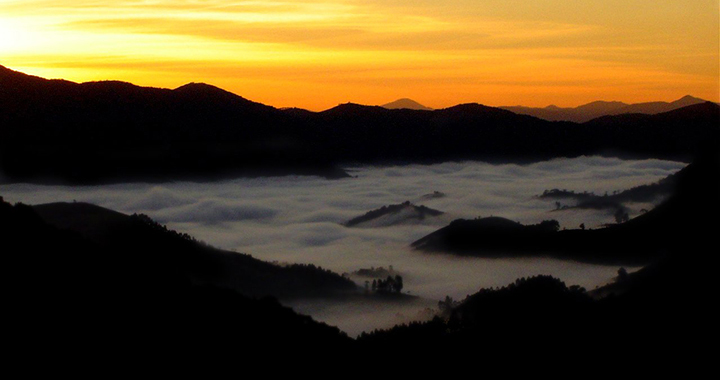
<point x="318" y="54"/>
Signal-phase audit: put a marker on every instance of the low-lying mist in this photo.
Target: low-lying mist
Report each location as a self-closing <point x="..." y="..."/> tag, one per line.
<point x="298" y="220"/>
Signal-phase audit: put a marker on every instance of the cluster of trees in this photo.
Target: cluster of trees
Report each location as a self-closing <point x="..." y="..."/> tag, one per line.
<point x="564" y="193"/>
<point x="590" y="200"/>
<point x="621" y="216"/>
<point x="153" y="225"/>
<point x="447" y="305"/>
<point x="389" y="285"/>
<point x="375" y="272"/>
<point x="534" y="307"/>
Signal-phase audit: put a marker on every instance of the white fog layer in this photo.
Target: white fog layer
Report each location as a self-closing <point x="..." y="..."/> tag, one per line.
<point x="298" y="219"/>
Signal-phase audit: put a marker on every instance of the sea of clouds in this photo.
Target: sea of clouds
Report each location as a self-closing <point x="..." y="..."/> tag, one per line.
<point x="297" y="219"/>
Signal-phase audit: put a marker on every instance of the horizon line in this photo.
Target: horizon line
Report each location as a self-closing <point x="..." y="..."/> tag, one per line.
<point x="358" y="103"/>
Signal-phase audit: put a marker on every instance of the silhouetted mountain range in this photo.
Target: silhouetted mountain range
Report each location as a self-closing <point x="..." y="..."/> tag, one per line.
<point x="597" y="109"/>
<point x="56" y="130"/>
<point x="404" y="213"/>
<point x="406" y="103"/>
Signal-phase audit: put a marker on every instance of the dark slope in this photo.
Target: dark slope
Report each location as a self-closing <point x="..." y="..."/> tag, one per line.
<point x="405" y="212"/>
<point x="664" y="309"/>
<point x="642" y="193"/>
<point x="654" y="192"/>
<point x="69" y="297"/>
<point x="691" y="208"/>
<point x="114" y="131"/>
<point x="540" y="318"/>
<point x="201" y="263"/>
<point x="632" y="132"/>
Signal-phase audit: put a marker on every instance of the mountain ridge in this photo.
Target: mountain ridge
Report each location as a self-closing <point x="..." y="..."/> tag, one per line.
<point x="595" y="109"/>
<point x="694" y="187"/>
<point x="390" y="215"/>
<point x="111" y="131"/>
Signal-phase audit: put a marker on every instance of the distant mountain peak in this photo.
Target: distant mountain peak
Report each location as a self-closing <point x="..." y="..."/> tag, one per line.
<point x="688" y="100"/>
<point x="195" y="86"/>
<point x="603" y="105"/>
<point x="208" y="91"/>
<point x="406" y="103"/>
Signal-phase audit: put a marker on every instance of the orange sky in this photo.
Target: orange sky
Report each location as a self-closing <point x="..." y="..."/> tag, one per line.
<point x="318" y="53"/>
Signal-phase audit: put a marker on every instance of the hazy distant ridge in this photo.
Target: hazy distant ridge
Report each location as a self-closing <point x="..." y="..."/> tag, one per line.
<point x="597" y="109"/>
<point x="406" y="103"/>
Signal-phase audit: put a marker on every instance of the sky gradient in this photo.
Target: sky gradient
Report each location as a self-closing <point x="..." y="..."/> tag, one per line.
<point x="317" y="54"/>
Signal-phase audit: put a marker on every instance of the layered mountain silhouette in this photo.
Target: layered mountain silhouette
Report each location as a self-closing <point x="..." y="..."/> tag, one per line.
<point x="617" y="200"/>
<point x="655" y="308"/>
<point x="109" y="282"/>
<point x="55" y="130"/>
<point x="65" y="284"/>
<point x="691" y="209"/>
<point x="404" y="213"/>
<point x="406" y="103"/>
<point x="597" y="109"/>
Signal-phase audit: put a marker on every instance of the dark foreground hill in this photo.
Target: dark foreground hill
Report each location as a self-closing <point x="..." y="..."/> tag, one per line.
<point x="663" y="310"/>
<point x="87" y="294"/>
<point x="692" y="208"/>
<point x="70" y="295"/>
<point x="542" y="319"/>
<point x="142" y="237"/>
<point x="54" y="130"/>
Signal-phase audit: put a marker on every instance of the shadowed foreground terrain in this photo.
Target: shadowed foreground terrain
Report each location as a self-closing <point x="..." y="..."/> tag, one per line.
<point x="663" y="308"/>
<point x="108" y="280"/>
<point x="203" y="264"/>
<point x="140" y="287"/>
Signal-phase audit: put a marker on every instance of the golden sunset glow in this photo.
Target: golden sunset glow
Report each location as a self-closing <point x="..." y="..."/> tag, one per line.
<point x="317" y="54"/>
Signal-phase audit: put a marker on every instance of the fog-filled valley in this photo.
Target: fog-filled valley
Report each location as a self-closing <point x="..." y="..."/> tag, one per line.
<point x="207" y="183"/>
<point x="300" y="219"/>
